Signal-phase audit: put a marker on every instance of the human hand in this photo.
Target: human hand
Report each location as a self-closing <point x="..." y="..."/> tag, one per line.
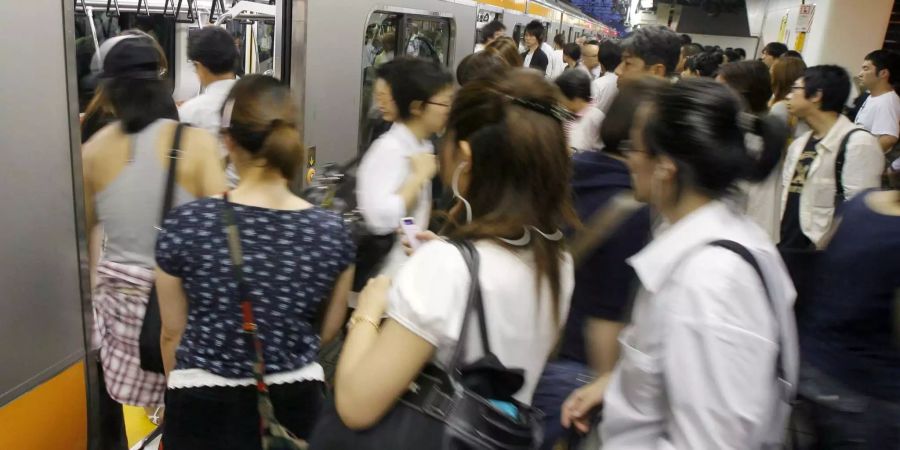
<point x="421" y="236"/>
<point x="577" y="408"/>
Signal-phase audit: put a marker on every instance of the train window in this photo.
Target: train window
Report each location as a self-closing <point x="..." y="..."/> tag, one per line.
<point x="427" y="38"/>
<point x="379" y="47"/>
<point x="256" y="41"/>
<point x="388" y="34"/>
<point x="106" y="26"/>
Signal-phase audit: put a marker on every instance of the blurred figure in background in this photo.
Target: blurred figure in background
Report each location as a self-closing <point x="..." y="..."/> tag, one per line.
<point x="582" y="132"/>
<point x="784" y="73"/>
<point x="751" y="80"/>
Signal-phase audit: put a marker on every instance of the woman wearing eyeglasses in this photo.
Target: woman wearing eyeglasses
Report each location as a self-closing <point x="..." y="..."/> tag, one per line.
<point x="394" y="177"/>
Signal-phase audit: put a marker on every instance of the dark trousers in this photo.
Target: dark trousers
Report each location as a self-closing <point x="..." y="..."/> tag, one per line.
<point x="830" y="415"/>
<point x="559" y="379"/>
<point x="225" y="418"/>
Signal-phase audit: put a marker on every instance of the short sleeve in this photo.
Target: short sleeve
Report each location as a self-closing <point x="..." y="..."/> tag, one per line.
<point x="887" y="122"/>
<point x="171" y="243"/>
<point x="429" y="294"/>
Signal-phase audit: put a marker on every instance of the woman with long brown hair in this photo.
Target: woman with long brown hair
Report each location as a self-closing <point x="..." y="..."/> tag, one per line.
<point x="505" y="157"/>
<point x="785" y="72"/>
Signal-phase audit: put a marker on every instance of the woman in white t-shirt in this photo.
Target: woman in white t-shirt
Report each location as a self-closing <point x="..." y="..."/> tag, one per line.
<point x="507" y="162"/>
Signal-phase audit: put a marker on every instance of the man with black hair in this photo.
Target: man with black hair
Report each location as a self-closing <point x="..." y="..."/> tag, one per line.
<point x="880" y="114"/>
<point x="605" y="88"/>
<point x="772" y="51"/>
<point x="590" y="57"/>
<point x="212" y="52"/>
<point x="742" y="54"/>
<point x="489" y="33"/>
<point x="686" y="39"/>
<point x="815" y="181"/>
<point x="792" y="54"/>
<point x="652" y="50"/>
<point x="535" y="57"/>
<point x="214" y="55"/>
<point x="584" y="131"/>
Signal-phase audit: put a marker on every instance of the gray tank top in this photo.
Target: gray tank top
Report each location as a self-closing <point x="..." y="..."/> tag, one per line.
<point x="129" y="207"/>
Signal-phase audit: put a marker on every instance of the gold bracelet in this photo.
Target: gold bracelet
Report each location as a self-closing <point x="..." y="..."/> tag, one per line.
<point x="360" y="318"/>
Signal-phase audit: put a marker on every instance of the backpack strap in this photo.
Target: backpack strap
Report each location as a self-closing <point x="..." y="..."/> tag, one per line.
<point x="839" y="195"/>
<point x="746" y="255"/>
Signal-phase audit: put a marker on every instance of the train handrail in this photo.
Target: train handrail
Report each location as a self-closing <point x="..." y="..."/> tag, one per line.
<point x="244" y="7"/>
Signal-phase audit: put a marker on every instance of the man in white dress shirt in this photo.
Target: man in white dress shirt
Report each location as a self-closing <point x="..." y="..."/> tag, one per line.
<point x="605" y="88"/>
<point x="590" y="57"/>
<point x="213" y="54"/>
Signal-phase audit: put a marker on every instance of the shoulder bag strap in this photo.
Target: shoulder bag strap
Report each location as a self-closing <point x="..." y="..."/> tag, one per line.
<point x="249" y="327"/>
<point x="747" y="256"/>
<point x="840" y="196"/>
<point x="169" y="195"/>
<point x="473" y="305"/>
<point x="602" y="224"/>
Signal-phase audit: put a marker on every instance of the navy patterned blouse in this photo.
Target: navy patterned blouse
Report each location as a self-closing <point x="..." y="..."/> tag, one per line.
<point x="291" y="262"/>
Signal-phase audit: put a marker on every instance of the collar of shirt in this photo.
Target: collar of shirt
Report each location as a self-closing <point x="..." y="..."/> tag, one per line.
<point x="410" y="142"/>
<point x="221" y="87"/>
<point x="832" y="140"/>
<point x="659" y="258"/>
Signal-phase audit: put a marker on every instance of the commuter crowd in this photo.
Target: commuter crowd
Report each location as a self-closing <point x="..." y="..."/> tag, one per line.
<point x="634" y="244"/>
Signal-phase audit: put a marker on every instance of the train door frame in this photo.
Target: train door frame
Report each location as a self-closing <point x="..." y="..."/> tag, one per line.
<point x="499" y="14"/>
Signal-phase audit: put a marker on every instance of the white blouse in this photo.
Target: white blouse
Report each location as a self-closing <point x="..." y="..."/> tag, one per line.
<point x="698" y="364"/>
<point x="429" y="297"/>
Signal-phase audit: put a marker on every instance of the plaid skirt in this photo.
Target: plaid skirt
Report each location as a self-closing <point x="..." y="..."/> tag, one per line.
<point x="120" y="302"/>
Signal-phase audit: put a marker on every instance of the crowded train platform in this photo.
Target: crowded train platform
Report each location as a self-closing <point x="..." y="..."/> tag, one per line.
<point x="450" y="225"/>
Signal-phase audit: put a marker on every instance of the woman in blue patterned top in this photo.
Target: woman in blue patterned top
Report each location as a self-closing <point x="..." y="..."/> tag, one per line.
<point x="297" y="265"/>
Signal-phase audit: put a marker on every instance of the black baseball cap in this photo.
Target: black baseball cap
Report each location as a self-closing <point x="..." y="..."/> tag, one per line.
<point x="135" y="58"/>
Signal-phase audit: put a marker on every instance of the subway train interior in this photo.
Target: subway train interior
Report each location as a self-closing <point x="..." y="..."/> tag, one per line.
<point x="51" y="387"/>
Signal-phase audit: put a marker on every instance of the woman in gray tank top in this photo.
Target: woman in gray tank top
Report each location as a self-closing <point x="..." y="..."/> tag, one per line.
<point x="125" y="169"/>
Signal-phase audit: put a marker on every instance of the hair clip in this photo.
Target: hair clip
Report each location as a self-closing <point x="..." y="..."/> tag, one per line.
<point x="555" y="111"/>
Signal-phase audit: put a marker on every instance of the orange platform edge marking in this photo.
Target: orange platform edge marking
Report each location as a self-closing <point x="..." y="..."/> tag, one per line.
<point x="52" y="416"/>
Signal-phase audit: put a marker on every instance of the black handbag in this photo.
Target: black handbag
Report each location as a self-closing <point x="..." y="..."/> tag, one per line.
<point x="466" y="406"/>
<point x="335" y="190"/>
<point x="151" y="327"/>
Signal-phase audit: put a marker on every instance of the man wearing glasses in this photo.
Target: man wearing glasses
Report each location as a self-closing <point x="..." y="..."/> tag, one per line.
<point x="812" y="185"/>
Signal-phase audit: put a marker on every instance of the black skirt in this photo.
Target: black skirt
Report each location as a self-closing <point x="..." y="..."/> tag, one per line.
<point x="225" y="418"/>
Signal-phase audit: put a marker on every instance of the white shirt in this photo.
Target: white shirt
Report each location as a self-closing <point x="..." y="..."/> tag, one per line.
<point x="596" y="72"/>
<point x="881" y="115"/>
<point x="382" y="172"/>
<point x="604" y="91"/>
<point x="205" y="110"/>
<point x="863" y="166"/>
<point x="429" y="296"/>
<point x="556" y="60"/>
<point x="551" y="60"/>
<point x="584" y="131"/>
<point x="698" y="364"/>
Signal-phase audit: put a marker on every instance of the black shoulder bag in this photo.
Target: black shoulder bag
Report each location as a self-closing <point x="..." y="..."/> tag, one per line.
<point x="466" y="406"/>
<point x="151" y="328"/>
